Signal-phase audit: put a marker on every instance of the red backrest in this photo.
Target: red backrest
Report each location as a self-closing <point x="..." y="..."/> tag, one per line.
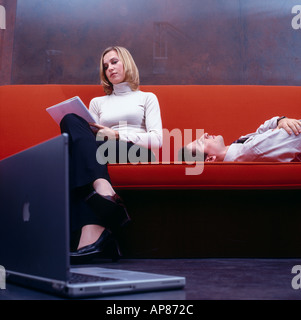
<point x="227" y="110"/>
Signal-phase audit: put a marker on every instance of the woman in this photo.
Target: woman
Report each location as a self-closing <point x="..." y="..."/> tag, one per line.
<point x="125" y="115"/>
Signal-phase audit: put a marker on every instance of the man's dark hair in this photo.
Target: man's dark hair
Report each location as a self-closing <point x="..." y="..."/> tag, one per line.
<point x="185" y="154"/>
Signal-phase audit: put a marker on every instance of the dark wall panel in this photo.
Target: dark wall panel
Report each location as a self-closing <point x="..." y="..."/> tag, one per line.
<point x="8" y="9"/>
<point x="172" y="41"/>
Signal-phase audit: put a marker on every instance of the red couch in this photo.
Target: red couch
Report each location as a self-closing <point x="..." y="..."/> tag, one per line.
<point x="230" y="210"/>
<point x="227" y="110"/>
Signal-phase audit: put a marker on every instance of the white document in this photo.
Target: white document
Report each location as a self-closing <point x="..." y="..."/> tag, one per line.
<point x="73" y="105"/>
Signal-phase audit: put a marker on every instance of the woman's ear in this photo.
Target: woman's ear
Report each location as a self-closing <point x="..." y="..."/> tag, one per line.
<point x="210" y="159"/>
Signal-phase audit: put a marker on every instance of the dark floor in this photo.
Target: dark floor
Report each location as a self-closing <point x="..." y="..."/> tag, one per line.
<point x="206" y="279"/>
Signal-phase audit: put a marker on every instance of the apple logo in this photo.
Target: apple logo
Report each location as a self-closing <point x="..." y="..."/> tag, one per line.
<point x="2" y="277"/>
<point x="26" y="212"/>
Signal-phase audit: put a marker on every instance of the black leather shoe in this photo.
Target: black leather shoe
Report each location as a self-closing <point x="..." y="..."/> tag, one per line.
<point x="105" y="246"/>
<point x="111" y="210"/>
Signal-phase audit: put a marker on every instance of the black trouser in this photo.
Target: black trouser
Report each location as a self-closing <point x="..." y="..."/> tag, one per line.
<point x="84" y="168"/>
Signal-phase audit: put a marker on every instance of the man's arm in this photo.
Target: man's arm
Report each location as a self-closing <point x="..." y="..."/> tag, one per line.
<point x="272" y="145"/>
<point x="289" y="125"/>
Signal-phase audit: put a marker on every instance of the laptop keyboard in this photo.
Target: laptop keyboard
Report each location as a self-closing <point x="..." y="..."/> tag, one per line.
<point x="85" y="278"/>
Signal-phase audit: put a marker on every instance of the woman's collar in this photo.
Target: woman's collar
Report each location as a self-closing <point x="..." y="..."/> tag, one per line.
<point x="121" y="88"/>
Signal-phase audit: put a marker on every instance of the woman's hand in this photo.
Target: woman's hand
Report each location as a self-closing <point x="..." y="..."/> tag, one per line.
<point x="103" y="132"/>
<point x="290" y="125"/>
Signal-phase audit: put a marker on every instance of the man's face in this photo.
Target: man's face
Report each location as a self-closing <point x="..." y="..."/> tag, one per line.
<point x="208" y="144"/>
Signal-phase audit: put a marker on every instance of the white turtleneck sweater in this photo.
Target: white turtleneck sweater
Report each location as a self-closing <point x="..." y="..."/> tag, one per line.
<point x="134" y="114"/>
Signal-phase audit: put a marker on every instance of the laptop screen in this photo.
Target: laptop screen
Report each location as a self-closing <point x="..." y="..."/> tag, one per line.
<point x="34" y="198"/>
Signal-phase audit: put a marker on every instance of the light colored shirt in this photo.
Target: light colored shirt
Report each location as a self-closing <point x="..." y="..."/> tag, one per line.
<point x="268" y="143"/>
<point x="134" y="114"/>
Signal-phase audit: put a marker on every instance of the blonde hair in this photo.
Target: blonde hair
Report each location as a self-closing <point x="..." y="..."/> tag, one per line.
<point x="130" y="68"/>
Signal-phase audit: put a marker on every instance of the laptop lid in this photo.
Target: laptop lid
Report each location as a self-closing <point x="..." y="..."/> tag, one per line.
<point x="34" y="229"/>
<point x="32" y="184"/>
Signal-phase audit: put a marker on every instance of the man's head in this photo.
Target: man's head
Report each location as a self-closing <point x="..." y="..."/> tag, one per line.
<point x="207" y="148"/>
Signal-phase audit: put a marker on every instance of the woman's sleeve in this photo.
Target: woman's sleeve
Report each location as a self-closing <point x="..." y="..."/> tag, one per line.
<point x="94" y="110"/>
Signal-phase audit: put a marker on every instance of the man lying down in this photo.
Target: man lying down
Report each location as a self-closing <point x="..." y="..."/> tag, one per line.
<point x="277" y="140"/>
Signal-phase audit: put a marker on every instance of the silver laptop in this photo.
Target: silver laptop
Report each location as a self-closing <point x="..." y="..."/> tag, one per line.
<point x="34" y="230"/>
